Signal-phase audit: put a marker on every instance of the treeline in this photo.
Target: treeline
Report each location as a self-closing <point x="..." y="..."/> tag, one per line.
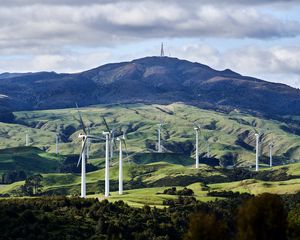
<point x="13" y="176"/>
<point x="241" y="217"/>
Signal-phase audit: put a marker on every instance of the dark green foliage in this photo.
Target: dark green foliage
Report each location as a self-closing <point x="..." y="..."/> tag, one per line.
<point x="294" y="222"/>
<point x="226" y="194"/>
<point x="76" y="218"/>
<point x="170" y="191"/>
<point x="184" y="192"/>
<point x="13" y="176"/>
<point x="69" y="165"/>
<point x="262" y="217"/>
<point x="33" y="186"/>
<point x="273" y="175"/>
<point x="206" y="226"/>
<point x="228" y="159"/>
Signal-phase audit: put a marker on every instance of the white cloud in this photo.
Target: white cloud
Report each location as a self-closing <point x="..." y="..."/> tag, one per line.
<point x="67" y="62"/>
<point x="113" y="23"/>
<point x="46" y="34"/>
<point x="277" y="64"/>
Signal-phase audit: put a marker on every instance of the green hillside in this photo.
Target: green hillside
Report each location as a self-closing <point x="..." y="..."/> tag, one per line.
<point x="230" y="136"/>
<point x="29" y="159"/>
<point x="146" y="173"/>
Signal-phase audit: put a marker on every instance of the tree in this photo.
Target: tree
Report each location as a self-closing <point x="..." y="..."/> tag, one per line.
<point x="262" y="217"/>
<point x="294" y="222"/>
<point x="206" y="226"/>
<point x="33" y="185"/>
<point x="13" y="176"/>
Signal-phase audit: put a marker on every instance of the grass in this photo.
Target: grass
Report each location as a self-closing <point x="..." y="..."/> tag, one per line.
<point x="140" y="123"/>
<point x="257" y="187"/>
<point x="157" y="170"/>
<point x="30" y="159"/>
<point x="149" y="196"/>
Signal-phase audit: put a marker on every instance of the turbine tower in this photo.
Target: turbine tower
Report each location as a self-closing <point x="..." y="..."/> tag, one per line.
<point x="159" y="146"/>
<point x="108" y="143"/>
<point x="88" y="144"/>
<point x="26" y="140"/>
<point x="83" y="164"/>
<point x="197" y="129"/>
<point x="107" y="139"/>
<point x="206" y="138"/>
<point x="56" y="143"/>
<point x="112" y="142"/>
<point x="162" y="52"/>
<point x="82" y="157"/>
<point x="271" y="145"/>
<point x="257" y="151"/>
<point x="121" y="142"/>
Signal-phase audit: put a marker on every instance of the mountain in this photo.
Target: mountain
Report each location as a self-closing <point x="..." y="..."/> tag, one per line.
<point x="149" y="80"/>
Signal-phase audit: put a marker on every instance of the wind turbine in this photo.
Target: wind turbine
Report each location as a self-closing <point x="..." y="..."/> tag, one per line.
<point x="121" y="141"/>
<point x="206" y="138"/>
<point x="56" y="143"/>
<point x="257" y="136"/>
<point x="197" y="129"/>
<point x="271" y="145"/>
<point x="88" y="144"/>
<point x="112" y="143"/>
<point x="159" y="146"/>
<point x="258" y="147"/>
<point x="82" y="157"/>
<point x="108" y="142"/>
<point x="26" y="139"/>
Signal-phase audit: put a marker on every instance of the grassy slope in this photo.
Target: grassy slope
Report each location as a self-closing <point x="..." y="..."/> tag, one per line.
<point x="70" y="183"/>
<point x="140" y="123"/>
<point x="30" y="159"/>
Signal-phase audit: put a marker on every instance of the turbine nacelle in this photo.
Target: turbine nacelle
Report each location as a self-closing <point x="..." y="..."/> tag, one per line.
<point x="82" y="136"/>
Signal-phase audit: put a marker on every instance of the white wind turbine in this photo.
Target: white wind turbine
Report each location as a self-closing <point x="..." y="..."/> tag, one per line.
<point x="121" y="142"/>
<point x="159" y="145"/>
<point x="271" y="145"/>
<point x="197" y="130"/>
<point x="112" y="142"/>
<point x="56" y="143"/>
<point x="257" y="135"/>
<point x="88" y="144"/>
<point x="82" y="157"/>
<point x="26" y="139"/>
<point x="206" y="138"/>
<point x="108" y="143"/>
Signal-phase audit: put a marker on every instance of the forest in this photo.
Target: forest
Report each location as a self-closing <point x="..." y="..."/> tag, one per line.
<point x="233" y="216"/>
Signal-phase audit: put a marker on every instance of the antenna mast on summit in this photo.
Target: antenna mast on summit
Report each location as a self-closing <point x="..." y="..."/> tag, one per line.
<point x="162" y="52"/>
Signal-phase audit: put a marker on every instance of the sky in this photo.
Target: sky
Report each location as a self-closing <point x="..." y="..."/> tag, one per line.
<point x="259" y="38"/>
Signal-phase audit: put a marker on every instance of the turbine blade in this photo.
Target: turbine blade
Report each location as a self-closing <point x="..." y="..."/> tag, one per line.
<point x="114" y="141"/>
<point x="106" y="125"/>
<point x="126" y="151"/>
<point x="81" y="152"/>
<point x="81" y="121"/>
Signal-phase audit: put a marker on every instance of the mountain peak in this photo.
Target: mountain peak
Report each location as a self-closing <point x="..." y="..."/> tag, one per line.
<point x="151" y="80"/>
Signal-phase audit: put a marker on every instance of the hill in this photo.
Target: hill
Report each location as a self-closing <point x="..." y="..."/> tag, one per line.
<point x="160" y="80"/>
<point x="228" y="137"/>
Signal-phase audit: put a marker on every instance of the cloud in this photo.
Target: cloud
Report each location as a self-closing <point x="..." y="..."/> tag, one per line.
<point x="277" y="64"/>
<point x="46" y="25"/>
<point x="63" y="62"/>
<point x="73" y="35"/>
